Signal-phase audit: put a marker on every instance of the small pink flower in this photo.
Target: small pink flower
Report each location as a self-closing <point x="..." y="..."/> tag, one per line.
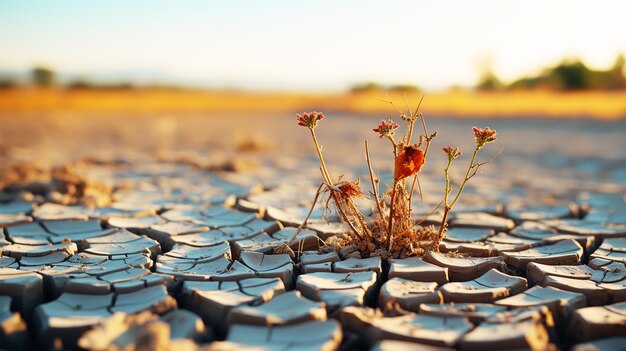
<point x="484" y="136"/>
<point x="386" y="128"/>
<point x="309" y="119"/>
<point x="452" y="152"/>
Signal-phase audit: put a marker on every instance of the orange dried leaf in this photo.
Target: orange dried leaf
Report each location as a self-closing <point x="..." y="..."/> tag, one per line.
<point x="409" y="162"/>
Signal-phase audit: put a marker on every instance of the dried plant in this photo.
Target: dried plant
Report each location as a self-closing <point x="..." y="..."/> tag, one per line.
<point x="390" y="231"/>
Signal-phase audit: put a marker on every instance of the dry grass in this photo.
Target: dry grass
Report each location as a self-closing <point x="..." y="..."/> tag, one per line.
<point x="602" y="105"/>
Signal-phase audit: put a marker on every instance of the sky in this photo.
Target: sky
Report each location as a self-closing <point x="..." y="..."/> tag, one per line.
<point x="320" y="45"/>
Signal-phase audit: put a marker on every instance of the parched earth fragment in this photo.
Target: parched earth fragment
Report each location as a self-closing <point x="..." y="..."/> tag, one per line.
<point x="67" y="317"/>
<point x="463" y="268"/>
<point x="213" y="301"/>
<point x="560" y="302"/>
<point x="417" y="269"/>
<point x="337" y="289"/>
<point x="81" y="273"/>
<point x="25" y="289"/>
<point x="603" y="285"/>
<point x="175" y="330"/>
<point x="566" y="252"/>
<point x="37" y="250"/>
<point x="50" y="211"/>
<point x="392" y="345"/>
<point x="408" y="294"/>
<point x="474" y="312"/>
<point x="313" y="335"/>
<point x="220" y="269"/>
<point x="354" y="265"/>
<point x="487" y="288"/>
<point x="306" y="240"/>
<point x="481" y="220"/>
<point x="599" y="322"/>
<point x="590" y="228"/>
<point x="608" y="344"/>
<point x="270" y="266"/>
<point x="312" y="262"/>
<point x="537" y="213"/>
<point x="122" y="242"/>
<point x="528" y="334"/>
<point x="467" y="235"/>
<point x="418" y="328"/>
<point x="13" y="330"/>
<point x="612" y="249"/>
<point x="285" y="309"/>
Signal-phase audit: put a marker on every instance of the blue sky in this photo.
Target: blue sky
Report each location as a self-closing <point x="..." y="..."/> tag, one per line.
<point x="307" y="45"/>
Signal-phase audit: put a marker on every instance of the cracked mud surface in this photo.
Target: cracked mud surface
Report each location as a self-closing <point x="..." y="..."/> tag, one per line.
<point x="178" y="254"/>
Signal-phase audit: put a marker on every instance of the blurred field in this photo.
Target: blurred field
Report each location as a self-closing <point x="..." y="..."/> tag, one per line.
<point x="600" y="105"/>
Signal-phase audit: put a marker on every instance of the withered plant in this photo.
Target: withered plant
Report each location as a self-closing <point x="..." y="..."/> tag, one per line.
<point x="391" y="231"/>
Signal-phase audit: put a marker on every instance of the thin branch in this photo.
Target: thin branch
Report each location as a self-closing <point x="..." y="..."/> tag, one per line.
<point x="394" y="105"/>
<point x="418" y="107"/>
<point x="374" y="183"/>
<point x="431" y="212"/>
<point x="407" y="104"/>
<point x="343" y="215"/>
<point x="391" y="206"/>
<point x="324" y="170"/>
<point x="479" y="164"/>
<point x="317" y="194"/>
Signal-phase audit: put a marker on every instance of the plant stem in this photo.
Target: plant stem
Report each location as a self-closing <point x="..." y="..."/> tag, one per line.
<point x="317" y="194"/>
<point x="446" y="207"/>
<point x="374" y="185"/>
<point x="330" y="185"/>
<point x="409" y="134"/>
<point x="325" y="174"/>
<point x="359" y="217"/>
<point x="391" y="206"/>
<point x="466" y="178"/>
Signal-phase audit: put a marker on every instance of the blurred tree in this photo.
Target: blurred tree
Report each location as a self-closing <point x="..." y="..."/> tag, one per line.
<point x="8" y="83"/>
<point x="573" y="74"/>
<point x="616" y="78"/>
<point x="366" y="87"/>
<point x="43" y="77"/>
<point x="488" y="80"/>
<point x="84" y="84"/>
<point x="570" y="75"/>
<point x="404" y="88"/>
<point x="80" y="83"/>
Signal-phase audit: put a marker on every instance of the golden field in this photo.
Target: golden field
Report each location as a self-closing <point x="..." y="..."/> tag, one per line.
<point x="600" y="105"/>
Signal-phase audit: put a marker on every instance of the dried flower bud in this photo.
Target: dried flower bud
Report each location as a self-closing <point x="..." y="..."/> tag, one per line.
<point x="350" y="190"/>
<point x="484" y="136"/>
<point x="386" y="128"/>
<point x="309" y="119"/>
<point x="409" y="162"/>
<point x="452" y="152"/>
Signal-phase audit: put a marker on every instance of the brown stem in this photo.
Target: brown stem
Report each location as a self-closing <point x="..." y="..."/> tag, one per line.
<point x="330" y="184"/>
<point x="343" y="215"/>
<point x="419" y="187"/>
<point x="317" y="194"/>
<point x="374" y="184"/>
<point x="325" y="174"/>
<point x="359" y="217"/>
<point x="443" y="227"/>
<point x="431" y="212"/>
<point x="391" y="206"/>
